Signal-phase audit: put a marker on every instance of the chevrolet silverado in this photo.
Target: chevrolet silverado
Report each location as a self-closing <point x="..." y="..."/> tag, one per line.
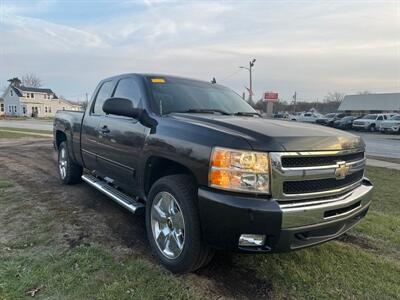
<point x="210" y="173"/>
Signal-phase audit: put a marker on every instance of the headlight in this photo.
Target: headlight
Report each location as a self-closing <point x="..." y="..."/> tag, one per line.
<point x="236" y="170"/>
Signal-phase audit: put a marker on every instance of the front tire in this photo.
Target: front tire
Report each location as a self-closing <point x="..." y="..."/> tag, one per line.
<point x="173" y="225"/>
<point x="68" y="170"/>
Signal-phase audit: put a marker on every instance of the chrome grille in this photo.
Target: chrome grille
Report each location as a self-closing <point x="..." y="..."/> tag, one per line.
<point x="311" y="175"/>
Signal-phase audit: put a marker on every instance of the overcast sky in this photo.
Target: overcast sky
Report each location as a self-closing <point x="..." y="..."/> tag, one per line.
<point x="312" y="47"/>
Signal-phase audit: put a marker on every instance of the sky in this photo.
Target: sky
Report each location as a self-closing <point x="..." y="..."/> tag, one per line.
<point x="311" y="47"/>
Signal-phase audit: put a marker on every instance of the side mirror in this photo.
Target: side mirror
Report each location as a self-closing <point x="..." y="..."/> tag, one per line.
<point x="121" y="107"/>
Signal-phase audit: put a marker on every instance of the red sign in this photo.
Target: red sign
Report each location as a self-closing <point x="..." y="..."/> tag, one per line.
<point x="271" y="96"/>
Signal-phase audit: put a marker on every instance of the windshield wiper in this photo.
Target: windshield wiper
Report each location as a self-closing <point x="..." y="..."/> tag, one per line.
<point x="203" y="111"/>
<point x="245" y="113"/>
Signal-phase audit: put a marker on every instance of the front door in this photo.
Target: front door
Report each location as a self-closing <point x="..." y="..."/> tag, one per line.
<point x="122" y="140"/>
<point x="90" y="126"/>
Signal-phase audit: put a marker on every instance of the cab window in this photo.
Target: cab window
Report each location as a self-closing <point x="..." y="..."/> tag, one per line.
<point x="102" y="95"/>
<point x="129" y="89"/>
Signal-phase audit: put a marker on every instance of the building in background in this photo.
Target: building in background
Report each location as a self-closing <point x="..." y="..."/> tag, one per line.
<point x="357" y="105"/>
<point x="1" y="106"/>
<point x="21" y="101"/>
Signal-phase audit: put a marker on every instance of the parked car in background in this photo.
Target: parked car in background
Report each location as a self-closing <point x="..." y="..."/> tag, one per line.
<point x="344" y="123"/>
<point x="329" y="119"/>
<point x="309" y="117"/>
<point x="371" y="122"/>
<point x="391" y="125"/>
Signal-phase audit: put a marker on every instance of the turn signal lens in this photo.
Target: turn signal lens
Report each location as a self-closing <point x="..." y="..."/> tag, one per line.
<point x="235" y="170"/>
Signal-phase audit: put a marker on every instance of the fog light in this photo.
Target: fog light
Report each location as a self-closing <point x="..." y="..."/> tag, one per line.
<point x="252" y="240"/>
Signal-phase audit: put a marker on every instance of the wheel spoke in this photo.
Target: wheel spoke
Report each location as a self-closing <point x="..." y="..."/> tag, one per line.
<point x="162" y="240"/>
<point x="158" y="214"/>
<point x="172" y="245"/>
<point x="177" y="219"/>
<point x="165" y="204"/>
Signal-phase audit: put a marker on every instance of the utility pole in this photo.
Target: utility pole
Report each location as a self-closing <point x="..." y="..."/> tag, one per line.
<point x="294" y="100"/>
<point x="251" y="65"/>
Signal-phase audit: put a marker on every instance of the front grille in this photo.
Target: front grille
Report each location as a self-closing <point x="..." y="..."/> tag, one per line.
<point x="307" y="161"/>
<point x="319" y="185"/>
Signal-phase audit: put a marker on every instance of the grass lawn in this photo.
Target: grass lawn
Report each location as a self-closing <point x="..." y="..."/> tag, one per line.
<point x="27" y="130"/>
<point x="364" y="264"/>
<point x="14" y="135"/>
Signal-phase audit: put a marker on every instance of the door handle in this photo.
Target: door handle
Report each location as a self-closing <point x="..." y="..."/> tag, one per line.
<point x="104" y="130"/>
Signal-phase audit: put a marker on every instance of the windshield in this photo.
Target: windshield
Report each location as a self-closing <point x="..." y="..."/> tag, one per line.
<point x="347" y="118"/>
<point x="329" y="115"/>
<point x="184" y="95"/>
<point x="370" y="117"/>
<point x="397" y="117"/>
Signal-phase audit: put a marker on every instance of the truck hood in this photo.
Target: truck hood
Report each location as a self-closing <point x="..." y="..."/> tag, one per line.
<point x="274" y="135"/>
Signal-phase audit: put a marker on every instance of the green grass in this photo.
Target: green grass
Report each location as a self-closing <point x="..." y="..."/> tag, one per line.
<point x="87" y="272"/>
<point x="365" y="266"/>
<point x="14" y="135"/>
<point x="27" y="130"/>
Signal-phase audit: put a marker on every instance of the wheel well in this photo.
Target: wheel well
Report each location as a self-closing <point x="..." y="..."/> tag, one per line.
<point x="157" y="167"/>
<point x="60" y="137"/>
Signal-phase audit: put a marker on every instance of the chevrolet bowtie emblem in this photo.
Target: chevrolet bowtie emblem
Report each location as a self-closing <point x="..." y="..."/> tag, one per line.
<point x="342" y="170"/>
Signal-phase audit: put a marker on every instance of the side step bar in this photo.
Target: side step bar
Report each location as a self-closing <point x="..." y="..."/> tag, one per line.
<point x="119" y="197"/>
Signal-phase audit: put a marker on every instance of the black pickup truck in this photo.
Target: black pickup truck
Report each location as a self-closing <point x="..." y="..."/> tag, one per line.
<point x="208" y="171"/>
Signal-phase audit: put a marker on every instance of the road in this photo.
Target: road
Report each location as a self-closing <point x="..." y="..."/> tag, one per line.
<point x="386" y="145"/>
<point x="377" y="144"/>
<point x="28" y="124"/>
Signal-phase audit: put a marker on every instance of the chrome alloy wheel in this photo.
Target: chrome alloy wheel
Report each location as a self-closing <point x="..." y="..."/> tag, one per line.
<point x="62" y="163"/>
<point x="168" y="225"/>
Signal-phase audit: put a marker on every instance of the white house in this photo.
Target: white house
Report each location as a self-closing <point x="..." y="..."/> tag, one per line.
<point x="1" y="106"/>
<point x="24" y="101"/>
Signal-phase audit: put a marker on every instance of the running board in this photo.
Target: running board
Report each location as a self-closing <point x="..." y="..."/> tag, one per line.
<point x="127" y="202"/>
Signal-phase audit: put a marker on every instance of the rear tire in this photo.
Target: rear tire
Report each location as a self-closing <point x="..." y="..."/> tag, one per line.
<point x="68" y="170"/>
<point x="177" y="243"/>
<point x="372" y="128"/>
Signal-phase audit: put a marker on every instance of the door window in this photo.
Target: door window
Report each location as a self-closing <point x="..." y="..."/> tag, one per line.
<point x="103" y="94"/>
<point x="128" y="88"/>
<point x="380" y="118"/>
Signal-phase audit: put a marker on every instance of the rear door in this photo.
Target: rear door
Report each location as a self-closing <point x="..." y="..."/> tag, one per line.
<point x="122" y="139"/>
<point x="90" y="125"/>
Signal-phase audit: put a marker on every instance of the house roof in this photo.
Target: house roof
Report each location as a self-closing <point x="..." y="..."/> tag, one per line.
<point x="16" y="91"/>
<point x="34" y="90"/>
<point x="383" y="102"/>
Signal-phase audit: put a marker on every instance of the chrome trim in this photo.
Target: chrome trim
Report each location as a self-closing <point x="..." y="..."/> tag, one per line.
<point x="297" y="215"/>
<point x="280" y="174"/>
<point x="124" y="200"/>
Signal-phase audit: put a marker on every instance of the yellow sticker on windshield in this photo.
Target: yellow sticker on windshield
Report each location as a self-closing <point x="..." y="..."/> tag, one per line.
<point x="158" y="80"/>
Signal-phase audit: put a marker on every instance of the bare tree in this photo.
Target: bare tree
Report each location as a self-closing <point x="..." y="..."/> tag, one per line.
<point x="31" y="80"/>
<point x="364" y="92"/>
<point x="335" y="97"/>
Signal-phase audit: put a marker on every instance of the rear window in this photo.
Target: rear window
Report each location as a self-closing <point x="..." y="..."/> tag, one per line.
<point x="330" y="115"/>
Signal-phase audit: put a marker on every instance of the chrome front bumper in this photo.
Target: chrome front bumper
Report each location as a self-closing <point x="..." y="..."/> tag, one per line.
<point x="327" y="210"/>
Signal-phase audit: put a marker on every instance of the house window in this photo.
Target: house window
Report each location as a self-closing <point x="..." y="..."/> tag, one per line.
<point x="49" y="109"/>
<point x="45" y="109"/>
<point x="11" y="93"/>
<point x="32" y="95"/>
<point x="2" y="107"/>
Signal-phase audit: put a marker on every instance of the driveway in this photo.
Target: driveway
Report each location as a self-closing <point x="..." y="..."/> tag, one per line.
<point x="28" y="124"/>
<point x="378" y="144"/>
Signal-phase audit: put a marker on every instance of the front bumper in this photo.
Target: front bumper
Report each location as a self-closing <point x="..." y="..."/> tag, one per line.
<point x="361" y="126"/>
<point x="393" y="129"/>
<point x="224" y="217"/>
